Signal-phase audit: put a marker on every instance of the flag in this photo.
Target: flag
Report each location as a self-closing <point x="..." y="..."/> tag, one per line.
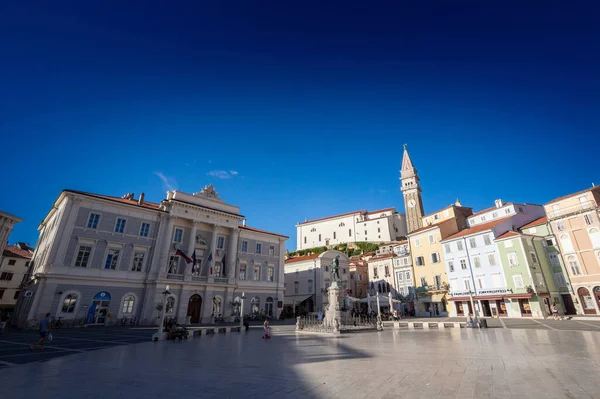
<point x="223" y="267"/>
<point x="210" y="260"/>
<point x="194" y="260"/>
<point x="187" y="259"/>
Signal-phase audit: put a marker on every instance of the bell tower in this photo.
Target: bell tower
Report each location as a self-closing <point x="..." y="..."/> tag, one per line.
<point x="413" y="204"/>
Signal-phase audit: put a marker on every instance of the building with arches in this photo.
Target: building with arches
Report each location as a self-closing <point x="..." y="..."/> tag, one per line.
<point x="574" y="219"/>
<point x="108" y="260"/>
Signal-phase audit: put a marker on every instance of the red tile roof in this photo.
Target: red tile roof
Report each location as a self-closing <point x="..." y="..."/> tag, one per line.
<point x="478" y="228"/>
<point x="301" y="258"/>
<point x="536" y="222"/>
<point x="508" y="234"/>
<point x="12" y="251"/>
<point x="386" y="256"/>
<point x="573" y="194"/>
<point x="133" y="202"/>
<point x="335" y="216"/>
<point x="487" y="210"/>
<point x="261" y="231"/>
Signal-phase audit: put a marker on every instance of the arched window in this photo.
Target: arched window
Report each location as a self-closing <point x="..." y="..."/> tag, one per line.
<point x="574" y="266"/>
<point x="594" y="237"/>
<point x="69" y="303"/>
<point x="342" y="224"/>
<point x="170" y="305"/>
<point x="565" y="241"/>
<point x="216" y="305"/>
<point x="269" y="306"/>
<point x="237" y="303"/>
<point x="379" y="287"/>
<point x="128" y="303"/>
<point x="255" y="305"/>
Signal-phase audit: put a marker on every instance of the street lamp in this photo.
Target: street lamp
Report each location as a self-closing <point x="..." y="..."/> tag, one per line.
<point x="474" y="322"/>
<point x="242" y="310"/>
<point x="164" y="309"/>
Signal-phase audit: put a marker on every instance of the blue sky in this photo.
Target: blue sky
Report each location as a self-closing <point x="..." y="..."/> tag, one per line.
<point x="308" y="104"/>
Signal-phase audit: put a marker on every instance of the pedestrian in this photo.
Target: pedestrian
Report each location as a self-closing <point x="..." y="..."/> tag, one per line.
<point x="44" y="331"/>
<point x="555" y="315"/>
<point x="266" y="327"/>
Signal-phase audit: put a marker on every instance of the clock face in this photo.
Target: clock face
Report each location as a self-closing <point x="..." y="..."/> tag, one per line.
<point x="412" y="203"/>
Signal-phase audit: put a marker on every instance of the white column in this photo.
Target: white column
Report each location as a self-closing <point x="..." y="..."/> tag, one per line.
<point x="280" y="278"/>
<point x="163" y="258"/>
<point x="232" y="254"/>
<point x="191" y="248"/>
<point x="213" y="251"/>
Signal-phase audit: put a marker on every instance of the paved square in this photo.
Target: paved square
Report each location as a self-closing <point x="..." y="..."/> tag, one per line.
<point x="492" y="363"/>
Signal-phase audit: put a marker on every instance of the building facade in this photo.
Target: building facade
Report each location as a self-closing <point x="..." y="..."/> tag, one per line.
<point x="14" y="264"/>
<point x="107" y="260"/>
<point x="307" y="279"/>
<point x="383" y="225"/>
<point x="7" y="222"/>
<point x="411" y="190"/>
<point x="359" y="277"/>
<point x="574" y="220"/>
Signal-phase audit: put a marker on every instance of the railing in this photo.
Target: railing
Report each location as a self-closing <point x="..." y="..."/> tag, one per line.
<point x="221" y="280"/>
<point x="573" y="209"/>
<point x="175" y="277"/>
<point x="199" y="278"/>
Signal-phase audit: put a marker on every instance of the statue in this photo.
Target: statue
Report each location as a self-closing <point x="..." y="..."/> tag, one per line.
<point x="335" y="268"/>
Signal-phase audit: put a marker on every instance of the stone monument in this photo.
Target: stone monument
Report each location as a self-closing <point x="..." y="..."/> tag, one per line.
<point x="333" y="313"/>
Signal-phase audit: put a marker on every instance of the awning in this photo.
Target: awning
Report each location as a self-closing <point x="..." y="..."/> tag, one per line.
<point x="289" y="300"/>
<point x="518" y="296"/>
<point x="432" y="298"/>
<point x="460" y="298"/>
<point x="489" y="298"/>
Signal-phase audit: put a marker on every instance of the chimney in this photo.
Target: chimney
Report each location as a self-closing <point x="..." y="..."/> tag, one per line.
<point x="499" y="203"/>
<point x="141" y="199"/>
<point x="244" y="222"/>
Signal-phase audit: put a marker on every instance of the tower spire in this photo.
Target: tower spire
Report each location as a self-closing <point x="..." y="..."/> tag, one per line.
<point x="411" y="189"/>
<point x="407" y="164"/>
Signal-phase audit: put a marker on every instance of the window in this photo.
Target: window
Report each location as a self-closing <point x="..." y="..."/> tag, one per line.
<point x="476" y="261"/>
<point x="472" y="242"/>
<point x="588" y="219"/>
<point x="491" y="259"/>
<point x="120" y="225"/>
<point x="567" y="246"/>
<point x="2" y="293"/>
<point x="420" y="261"/>
<point x="423" y="282"/>
<point x="560" y="225"/>
<point x="480" y="282"/>
<point x="255" y="305"/>
<point x="245" y="245"/>
<point x="342" y="224"/>
<point x="178" y="236"/>
<point x="128" y="303"/>
<point x="138" y="261"/>
<point x="256" y="273"/>
<point x="387" y="271"/>
<point x="487" y="240"/>
<point x="583" y="202"/>
<point x="495" y="215"/>
<point x="350" y="233"/>
<point x="407" y="276"/>
<point x="559" y="279"/>
<point x="217" y="269"/>
<point x="549" y="242"/>
<point x="220" y="242"/>
<point x="242" y="272"/>
<point x="258" y="247"/>
<point x="270" y="273"/>
<point x="518" y="281"/>
<point x="93" y="221"/>
<point x="459" y="245"/>
<point x="378" y="229"/>
<point x="12" y="262"/>
<point x="112" y="257"/>
<point x="170" y="305"/>
<point x="83" y="256"/>
<point x="313" y="230"/>
<point x="447" y="248"/>
<point x="400" y="276"/>
<point x="27" y="263"/>
<point x="310" y="286"/>
<point x="435" y="257"/>
<point x="271" y="250"/>
<point x="417" y="243"/>
<point x="360" y="277"/>
<point x="437" y="280"/>
<point x="451" y="266"/>
<point x="512" y="259"/>
<point x="366" y="232"/>
<point x="16" y="296"/>
<point x="375" y="272"/>
<point x="594" y="237"/>
<point x="573" y="265"/>
<point x="296" y="287"/>
<point x="173" y="263"/>
<point x="508" y="244"/>
<point x="334" y="235"/>
<point x="344" y="270"/>
<point x="467" y="284"/>
<point x="554" y="259"/>
<point x="534" y="258"/>
<point x="319" y="237"/>
<point x="69" y="303"/>
<point x="533" y="230"/>
<point x="507" y="211"/>
<point x="431" y="239"/>
<point x="521" y="209"/>
<point x="463" y="264"/>
<point x="145" y="230"/>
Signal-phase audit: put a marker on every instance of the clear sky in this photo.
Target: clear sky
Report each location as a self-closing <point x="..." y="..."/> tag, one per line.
<point x="297" y="110"/>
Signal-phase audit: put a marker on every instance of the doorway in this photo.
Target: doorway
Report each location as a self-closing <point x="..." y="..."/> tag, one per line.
<point x="98" y="312"/>
<point x="569" y="305"/>
<point x="194" y="307"/>
<point x="485" y="305"/>
<point x="586" y="301"/>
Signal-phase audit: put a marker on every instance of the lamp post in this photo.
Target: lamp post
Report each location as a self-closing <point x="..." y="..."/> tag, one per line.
<point x="379" y="322"/>
<point x="164" y="309"/>
<point x="474" y="321"/>
<point x="242" y="310"/>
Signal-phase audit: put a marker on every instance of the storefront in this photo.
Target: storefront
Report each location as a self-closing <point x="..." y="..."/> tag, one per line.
<point x="586" y="300"/>
<point x="492" y="306"/>
<point x="463" y="306"/>
<point x="520" y="304"/>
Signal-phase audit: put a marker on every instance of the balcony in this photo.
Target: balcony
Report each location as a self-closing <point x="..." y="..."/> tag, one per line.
<point x="571" y="210"/>
<point x="432" y="288"/>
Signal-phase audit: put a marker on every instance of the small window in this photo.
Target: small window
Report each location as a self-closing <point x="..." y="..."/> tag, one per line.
<point x="93" y="221"/>
<point x="435" y="257"/>
<point x="17" y="293"/>
<point x="451" y="265"/>
<point x="423" y="281"/>
<point x="518" y="280"/>
<point x="459" y="245"/>
<point x="245" y="245"/>
<point x="256" y="272"/>
<point x="507" y="211"/>
<point x="310" y="286"/>
<point x="487" y="240"/>
<point x="296" y="287"/>
<point x="83" y="256"/>
<point x="120" y="225"/>
<point x="472" y="242"/>
<point x="128" y="303"/>
<point x="495" y="215"/>
<point x="304" y="241"/>
<point x="420" y="261"/>
<point x="11" y="262"/>
<point x="417" y="243"/>
<point x="145" y="230"/>
<point x="508" y="244"/>
<point x="588" y="219"/>
<point x="178" y="235"/>
<point x="319" y="237"/>
<point x="477" y="261"/>
<point x="242" y="272"/>
<point x="512" y="259"/>
<point x="258" y="247"/>
<point x="534" y="258"/>
<point x="560" y="225"/>
<point x="69" y="303"/>
<point x="270" y="273"/>
<point x="447" y="248"/>
<point x="112" y="259"/>
<point x="334" y="235"/>
<point x="349" y="232"/>
<point x="220" y="242"/>
<point x="138" y="261"/>
<point x="463" y="264"/>
<point x="492" y="259"/>
<point x="431" y="239"/>
<point x="272" y="250"/>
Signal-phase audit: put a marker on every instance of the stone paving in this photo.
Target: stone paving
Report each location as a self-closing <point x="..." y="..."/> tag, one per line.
<point x="465" y="363"/>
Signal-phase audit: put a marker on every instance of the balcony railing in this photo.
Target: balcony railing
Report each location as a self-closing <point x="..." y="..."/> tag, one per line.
<point x="221" y="280"/>
<point x="199" y="278"/>
<point x="175" y="277"/>
<point x="571" y="210"/>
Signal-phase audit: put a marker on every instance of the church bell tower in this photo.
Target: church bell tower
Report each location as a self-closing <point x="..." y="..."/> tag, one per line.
<point x="413" y="204"/>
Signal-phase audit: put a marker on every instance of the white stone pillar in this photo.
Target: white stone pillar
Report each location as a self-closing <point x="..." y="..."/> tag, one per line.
<point x="163" y="258"/>
<point x="213" y="251"/>
<point x="232" y="254"/>
<point x="191" y="248"/>
<point x="280" y="278"/>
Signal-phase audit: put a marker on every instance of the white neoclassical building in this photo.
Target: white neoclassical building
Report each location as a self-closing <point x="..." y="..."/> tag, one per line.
<point x="108" y="260"/>
<point x="383" y="225"/>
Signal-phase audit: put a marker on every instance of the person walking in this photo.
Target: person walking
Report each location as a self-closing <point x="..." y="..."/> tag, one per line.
<point x="266" y="327"/>
<point x="45" y="328"/>
<point x="555" y="315"/>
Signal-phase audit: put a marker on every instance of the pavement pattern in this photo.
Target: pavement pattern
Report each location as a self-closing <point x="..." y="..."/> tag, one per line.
<point x="454" y="363"/>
